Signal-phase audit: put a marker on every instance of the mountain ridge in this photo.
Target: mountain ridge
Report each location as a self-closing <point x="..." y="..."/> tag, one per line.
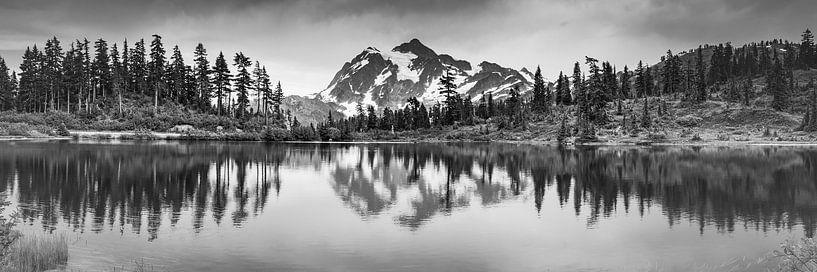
<point x="412" y="69"/>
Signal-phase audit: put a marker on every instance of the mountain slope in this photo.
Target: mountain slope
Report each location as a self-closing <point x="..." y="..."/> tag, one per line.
<point x="389" y="78"/>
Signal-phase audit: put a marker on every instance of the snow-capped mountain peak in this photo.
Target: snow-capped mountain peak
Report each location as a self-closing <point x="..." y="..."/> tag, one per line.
<point x="411" y="69"/>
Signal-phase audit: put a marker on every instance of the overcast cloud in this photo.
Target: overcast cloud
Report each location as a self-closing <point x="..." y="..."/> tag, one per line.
<point x="303" y="43"/>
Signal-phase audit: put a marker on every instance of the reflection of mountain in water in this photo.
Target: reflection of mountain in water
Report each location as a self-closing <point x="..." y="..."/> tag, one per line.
<point x="762" y="188"/>
<point x="135" y="186"/>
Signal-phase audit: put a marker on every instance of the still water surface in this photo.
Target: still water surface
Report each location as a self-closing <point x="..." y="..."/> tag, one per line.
<point x="204" y="206"/>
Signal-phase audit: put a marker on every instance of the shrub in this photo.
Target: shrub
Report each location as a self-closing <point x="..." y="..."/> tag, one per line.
<point x="243" y="136"/>
<point x="276" y="135"/>
<point x="688" y="121"/>
<point x="25" y="130"/>
<point x="332" y="134"/>
<point x="723" y="137"/>
<point x="696" y="138"/>
<point x="383" y="135"/>
<point x="657" y="137"/>
<point x="199" y="135"/>
<point x="303" y="134"/>
<point x="797" y="255"/>
<point x="62" y="130"/>
<point x="767" y="133"/>
<point x="109" y="125"/>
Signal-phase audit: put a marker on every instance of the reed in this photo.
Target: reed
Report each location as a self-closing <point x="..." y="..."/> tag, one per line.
<point x="33" y="253"/>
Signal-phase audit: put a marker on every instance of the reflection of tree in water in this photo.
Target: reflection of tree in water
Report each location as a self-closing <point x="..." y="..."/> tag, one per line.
<point x="88" y="185"/>
<point x="760" y="188"/>
<point x="136" y="186"/>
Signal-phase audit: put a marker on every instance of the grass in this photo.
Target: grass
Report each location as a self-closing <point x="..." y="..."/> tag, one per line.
<point x="138" y="266"/>
<point x="33" y="253"/>
<point x="797" y="255"/>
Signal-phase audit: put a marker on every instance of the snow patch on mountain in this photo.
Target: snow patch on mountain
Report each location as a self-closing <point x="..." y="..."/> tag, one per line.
<point x="388" y="79"/>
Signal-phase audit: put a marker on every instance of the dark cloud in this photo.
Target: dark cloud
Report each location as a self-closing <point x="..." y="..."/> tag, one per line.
<point x="305" y="42"/>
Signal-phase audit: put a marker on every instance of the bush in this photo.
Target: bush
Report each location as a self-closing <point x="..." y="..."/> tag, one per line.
<point x="108" y="125"/>
<point x="243" y="136"/>
<point x="332" y="134"/>
<point x="797" y="255"/>
<point x="199" y="135"/>
<point x="657" y="137"/>
<point x="723" y="137"/>
<point x="50" y="119"/>
<point x="25" y="130"/>
<point x="62" y="130"/>
<point x="689" y="121"/>
<point x="276" y="135"/>
<point x="303" y="134"/>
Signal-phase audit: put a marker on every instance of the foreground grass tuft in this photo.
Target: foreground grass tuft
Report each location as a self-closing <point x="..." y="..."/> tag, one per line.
<point x="797" y="255"/>
<point x="36" y="253"/>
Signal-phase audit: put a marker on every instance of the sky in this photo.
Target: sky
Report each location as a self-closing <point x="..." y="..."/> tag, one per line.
<point x="304" y="43"/>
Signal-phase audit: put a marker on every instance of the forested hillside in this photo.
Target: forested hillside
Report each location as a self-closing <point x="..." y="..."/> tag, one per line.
<point x="757" y="91"/>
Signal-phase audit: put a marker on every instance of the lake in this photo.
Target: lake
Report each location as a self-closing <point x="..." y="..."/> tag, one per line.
<point x="213" y="206"/>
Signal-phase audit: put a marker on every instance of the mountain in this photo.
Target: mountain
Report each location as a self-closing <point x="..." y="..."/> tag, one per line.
<point x="311" y="110"/>
<point x="389" y="78"/>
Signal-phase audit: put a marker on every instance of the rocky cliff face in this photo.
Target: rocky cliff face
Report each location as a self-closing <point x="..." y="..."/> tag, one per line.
<point x="389" y="78"/>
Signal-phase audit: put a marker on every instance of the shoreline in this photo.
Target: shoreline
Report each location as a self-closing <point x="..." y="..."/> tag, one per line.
<point x="624" y="141"/>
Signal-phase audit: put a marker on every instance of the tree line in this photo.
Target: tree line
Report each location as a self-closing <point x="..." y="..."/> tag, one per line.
<point x="98" y="78"/>
<point x="693" y="77"/>
<point x="74" y="81"/>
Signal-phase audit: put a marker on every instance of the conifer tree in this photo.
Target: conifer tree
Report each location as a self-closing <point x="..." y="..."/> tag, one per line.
<point x="671" y="74"/>
<point x="258" y="86"/>
<point x="101" y="70"/>
<point x="482" y="107"/>
<point x="748" y="91"/>
<point x="609" y="82"/>
<point x="243" y="84"/>
<point x="649" y="82"/>
<point x="6" y="89"/>
<point x="491" y="106"/>
<point x="156" y="70"/>
<point x="202" y="73"/>
<point x="267" y="93"/>
<point x="806" y="58"/>
<point x="640" y="80"/>
<point x="646" y="120"/>
<point x="117" y="77"/>
<point x="72" y="76"/>
<point x="52" y="71"/>
<point x="126" y="69"/>
<point x="221" y="82"/>
<point x="139" y="69"/>
<point x="447" y="89"/>
<point x="700" y="80"/>
<point x="560" y="90"/>
<point x="177" y="78"/>
<point x="810" y="119"/>
<point x="624" y="90"/>
<point x="776" y="84"/>
<point x="596" y="98"/>
<point x="277" y="98"/>
<point x="15" y="87"/>
<point x="371" y="118"/>
<point x="540" y="101"/>
<point x="387" y="121"/>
